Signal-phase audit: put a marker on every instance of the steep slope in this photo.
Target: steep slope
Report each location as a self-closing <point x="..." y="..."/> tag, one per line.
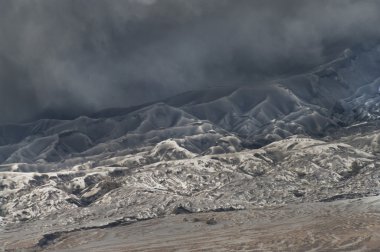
<point x="309" y="104"/>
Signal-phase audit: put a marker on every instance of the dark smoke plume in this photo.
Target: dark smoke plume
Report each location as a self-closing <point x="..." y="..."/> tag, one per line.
<point x="71" y="57"/>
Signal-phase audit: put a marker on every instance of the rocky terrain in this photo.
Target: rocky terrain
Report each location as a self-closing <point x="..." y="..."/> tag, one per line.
<point x="224" y="153"/>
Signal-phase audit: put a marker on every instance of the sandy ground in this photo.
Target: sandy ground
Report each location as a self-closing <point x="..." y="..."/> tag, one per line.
<point x="347" y="225"/>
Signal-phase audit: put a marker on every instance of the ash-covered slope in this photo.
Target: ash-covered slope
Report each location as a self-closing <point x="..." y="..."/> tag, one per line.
<point x="49" y="141"/>
<point x="170" y="179"/>
<point x="305" y="138"/>
<point x="340" y="93"/>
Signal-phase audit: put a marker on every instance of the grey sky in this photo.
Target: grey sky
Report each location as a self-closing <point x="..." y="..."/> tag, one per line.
<point x="74" y="56"/>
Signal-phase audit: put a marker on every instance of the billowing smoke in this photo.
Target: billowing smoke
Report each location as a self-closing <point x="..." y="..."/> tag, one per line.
<point x="71" y="57"/>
